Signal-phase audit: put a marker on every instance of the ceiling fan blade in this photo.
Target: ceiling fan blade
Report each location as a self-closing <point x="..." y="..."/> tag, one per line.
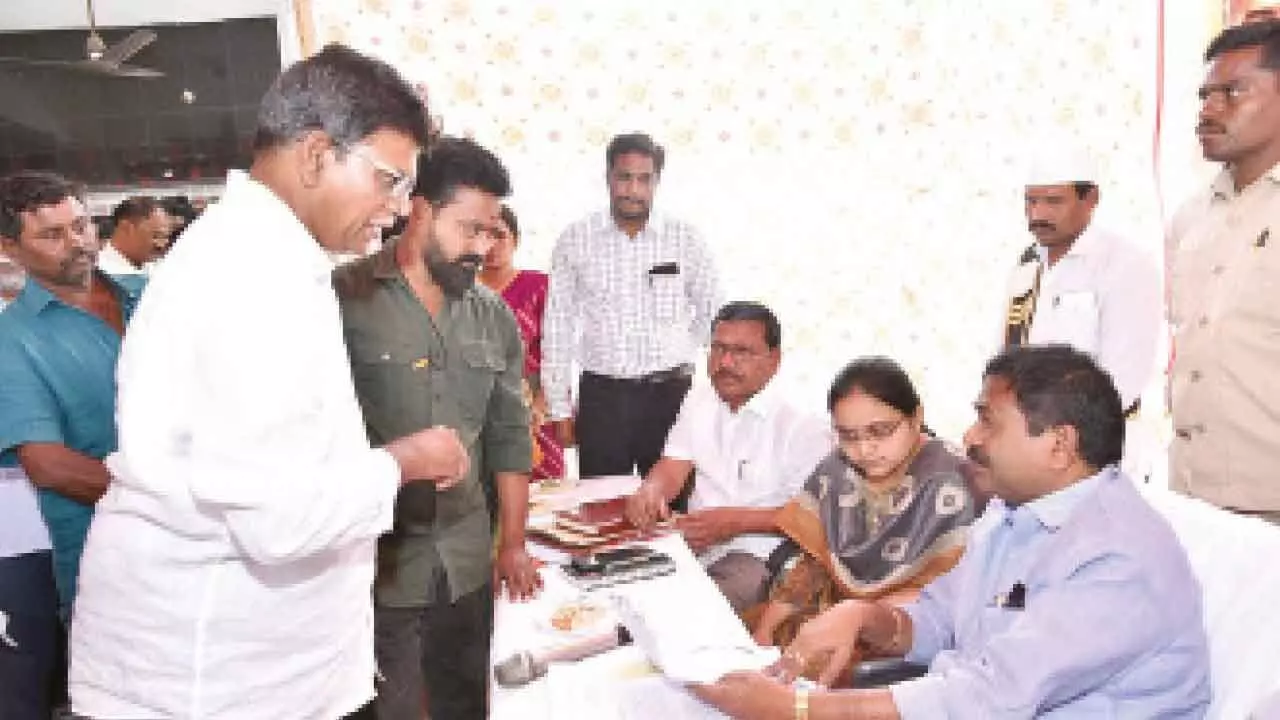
<point x="128" y="47"/>
<point x="136" y="71"/>
<point x="98" y="67"/>
<point x="31" y="62"/>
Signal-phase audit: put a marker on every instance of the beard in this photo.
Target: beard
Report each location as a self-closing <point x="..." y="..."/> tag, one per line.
<point x="455" y="276"/>
<point x="637" y="211"/>
<point x="76" y="269"/>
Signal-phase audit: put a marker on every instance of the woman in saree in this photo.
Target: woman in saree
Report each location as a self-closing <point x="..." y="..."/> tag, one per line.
<point x="886" y="512"/>
<point x="525" y="292"/>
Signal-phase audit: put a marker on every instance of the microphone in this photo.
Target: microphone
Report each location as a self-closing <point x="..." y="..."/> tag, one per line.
<point x="524" y="667"/>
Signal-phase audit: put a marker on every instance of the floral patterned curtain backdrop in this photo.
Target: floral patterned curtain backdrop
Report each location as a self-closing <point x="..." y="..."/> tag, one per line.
<point x="855" y="165"/>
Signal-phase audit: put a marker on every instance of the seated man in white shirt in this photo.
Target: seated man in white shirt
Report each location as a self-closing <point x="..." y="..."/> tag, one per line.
<point x="750" y="451"/>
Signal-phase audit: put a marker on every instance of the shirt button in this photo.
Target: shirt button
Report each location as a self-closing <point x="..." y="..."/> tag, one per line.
<point x="1203" y="321"/>
<point x="1195" y="376"/>
<point x="1217" y="269"/>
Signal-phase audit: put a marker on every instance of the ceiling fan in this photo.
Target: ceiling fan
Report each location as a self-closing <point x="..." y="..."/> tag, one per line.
<point x="100" y="58"/>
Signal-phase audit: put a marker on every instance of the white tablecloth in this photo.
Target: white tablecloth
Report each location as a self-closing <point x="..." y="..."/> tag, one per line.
<point x="619" y="684"/>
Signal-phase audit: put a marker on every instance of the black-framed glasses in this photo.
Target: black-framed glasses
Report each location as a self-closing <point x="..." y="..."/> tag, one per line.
<point x="874" y="432"/>
<point x="736" y="353"/>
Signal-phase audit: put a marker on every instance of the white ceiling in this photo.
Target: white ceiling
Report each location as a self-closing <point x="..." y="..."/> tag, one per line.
<point x="18" y="15"/>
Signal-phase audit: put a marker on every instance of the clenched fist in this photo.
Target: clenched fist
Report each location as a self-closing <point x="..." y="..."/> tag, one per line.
<point x="435" y="454"/>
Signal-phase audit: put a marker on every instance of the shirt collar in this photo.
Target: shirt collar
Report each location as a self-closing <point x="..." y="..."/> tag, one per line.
<point x="1084" y="244"/>
<point x="383" y="266"/>
<point x="35" y="297"/>
<point x="1224" y="186"/>
<point x="110" y="258"/>
<point x="294" y="240"/>
<point x="383" y="263"/>
<point x="1053" y="510"/>
<point x="655" y="221"/>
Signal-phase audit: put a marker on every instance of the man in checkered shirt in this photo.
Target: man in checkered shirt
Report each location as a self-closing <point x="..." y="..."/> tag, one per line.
<point x="631" y="300"/>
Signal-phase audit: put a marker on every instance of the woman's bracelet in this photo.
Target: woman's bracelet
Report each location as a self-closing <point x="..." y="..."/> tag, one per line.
<point x="802" y="703"/>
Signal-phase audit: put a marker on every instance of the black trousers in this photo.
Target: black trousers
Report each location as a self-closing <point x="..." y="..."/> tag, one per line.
<point x="441" y="651"/>
<point x="32" y="674"/>
<point x="623" y="424"/>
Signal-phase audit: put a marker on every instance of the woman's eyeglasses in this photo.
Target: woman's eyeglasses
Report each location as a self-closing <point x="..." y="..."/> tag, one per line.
<point x="875" y="432"/>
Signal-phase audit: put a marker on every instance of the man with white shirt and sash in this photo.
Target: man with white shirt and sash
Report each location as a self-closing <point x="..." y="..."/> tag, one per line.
<point x="1084" y="286"/>
<point x="228" y="572"/>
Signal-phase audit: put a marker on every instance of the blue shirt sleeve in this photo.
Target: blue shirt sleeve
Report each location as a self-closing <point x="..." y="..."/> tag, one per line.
<point x="28" y="410"/>
<point x="1068" y="641"/>
<point x="932" y="629"/>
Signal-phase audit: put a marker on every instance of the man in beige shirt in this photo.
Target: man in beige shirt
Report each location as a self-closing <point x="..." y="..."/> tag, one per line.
<point x="1224" y="274"/>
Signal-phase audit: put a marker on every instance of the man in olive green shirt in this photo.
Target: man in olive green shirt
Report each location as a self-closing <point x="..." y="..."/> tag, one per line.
<point x="430" y="347"/>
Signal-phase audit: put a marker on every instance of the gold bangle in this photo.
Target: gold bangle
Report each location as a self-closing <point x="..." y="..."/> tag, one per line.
<point x="802" y="703"/>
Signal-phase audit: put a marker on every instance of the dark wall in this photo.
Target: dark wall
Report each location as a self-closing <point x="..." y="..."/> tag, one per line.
<point x="127" y="131"/>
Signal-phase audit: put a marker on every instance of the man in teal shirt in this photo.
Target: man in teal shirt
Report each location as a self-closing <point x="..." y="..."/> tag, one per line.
<point x="59" y="341"/>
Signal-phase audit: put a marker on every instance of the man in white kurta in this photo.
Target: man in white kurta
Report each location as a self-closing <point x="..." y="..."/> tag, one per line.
<point x="228" y="570"/>
<point x="1084" y="286"/>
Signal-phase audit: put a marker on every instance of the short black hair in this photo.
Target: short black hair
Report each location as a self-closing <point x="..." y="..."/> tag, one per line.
<point x="1264" y="34"/>
<point x="454" y="163"/>
<point x="744" y="310"/>
<point x="879" y="377"/>
<point x="509" y="219"/>
<point x="134" y="209"/>
<point x="180" y="207"/>
<point x="1084" y="188"/>
<point x="346" y="95"/>
<point x="639" y="143"/>
<point x="1058" y="385"/>
<point x="28" y="190"/>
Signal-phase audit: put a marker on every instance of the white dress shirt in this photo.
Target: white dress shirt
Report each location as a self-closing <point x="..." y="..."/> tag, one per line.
<point x="22" y="528"/>
<point x="608" y="310"/>
<point x="228" y="570"/>
<point x="1102" y="298"/>
<point x="757" y="457"/>
<point x="113" y="262"/>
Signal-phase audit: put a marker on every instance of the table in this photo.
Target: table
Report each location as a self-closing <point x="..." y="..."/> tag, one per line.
<point x="621" y="683"/>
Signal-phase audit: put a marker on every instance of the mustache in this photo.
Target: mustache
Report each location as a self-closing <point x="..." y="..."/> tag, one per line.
<point x="725" y="374"/>
<point x="1209" y="126"/>
<point x="1041" y="225"/>
<point x="979" y="457"/>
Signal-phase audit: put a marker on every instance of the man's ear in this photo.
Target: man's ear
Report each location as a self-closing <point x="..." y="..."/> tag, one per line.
<point x="311" y="154"/>
<point x="1066" y="446"/>
<point x="8" y="245"/>
<point x="420" y="210"/>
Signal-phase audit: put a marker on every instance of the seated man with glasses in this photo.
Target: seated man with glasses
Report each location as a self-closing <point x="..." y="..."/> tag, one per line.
<point x="749" y="449"/>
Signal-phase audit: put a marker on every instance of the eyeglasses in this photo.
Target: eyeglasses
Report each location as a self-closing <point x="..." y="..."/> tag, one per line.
<point x="736" y="353"/>
<point x="875" y="432"/>
<point x="391" y="181"/>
